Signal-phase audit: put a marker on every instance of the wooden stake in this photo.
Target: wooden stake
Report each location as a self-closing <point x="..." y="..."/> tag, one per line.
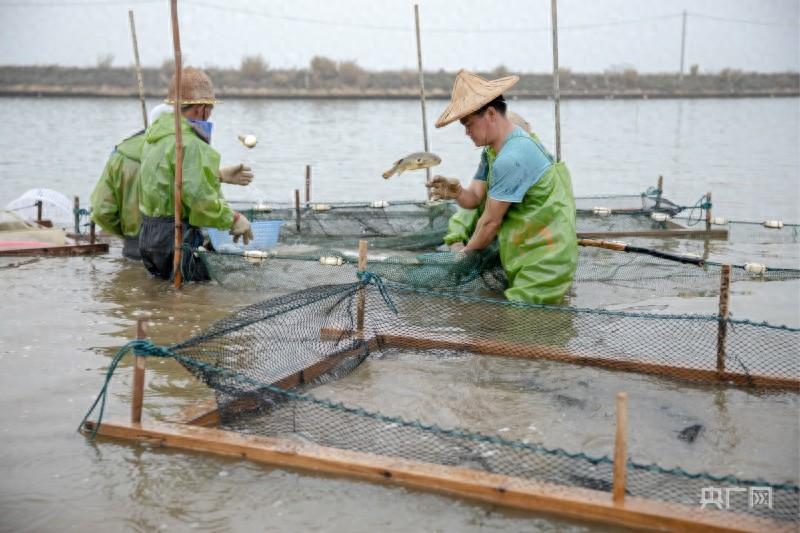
<point x="362" y="266"/>
<point x="556" y="90"/>
<point x="308" y="183"/>
<point x="138" y="67"/>
<point x="138" y="372"/>
<point x="621" y="448"/>
<point x="176" y="48"/>
<point x="38" y="211"/>
<point x="297" y="208"/>
<point x="708" y="212"/>
<point x="92" y="232"/>
<point x="422" y="94"/>
<point x="660" y="190"/>
<point x="722" y="330"/>
<point x="77" y="204"/>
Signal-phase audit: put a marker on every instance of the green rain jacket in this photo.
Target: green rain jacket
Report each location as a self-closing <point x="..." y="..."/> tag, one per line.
<point x="537" y="238"/>
<point x="115" y="199"/>
<point x="202" y="202"/>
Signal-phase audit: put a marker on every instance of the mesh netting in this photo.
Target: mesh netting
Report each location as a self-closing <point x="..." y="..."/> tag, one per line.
<point x="263" y="361"/>
<point x="648" y="275"/>
<point x="746" y="232"/>
<point x="405" y="225"/>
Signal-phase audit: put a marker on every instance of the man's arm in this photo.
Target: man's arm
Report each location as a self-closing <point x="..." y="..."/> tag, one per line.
<point x="471" y="197"/>
<point x="488" y="224"/>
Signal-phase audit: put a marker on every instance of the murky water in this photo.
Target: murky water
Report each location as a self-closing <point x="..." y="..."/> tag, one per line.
<point x="62" y="318"/>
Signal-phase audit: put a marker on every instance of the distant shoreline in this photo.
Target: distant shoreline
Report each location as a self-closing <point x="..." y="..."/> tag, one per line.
<point x="326" y="79"/>
<point x="101" y="92"/>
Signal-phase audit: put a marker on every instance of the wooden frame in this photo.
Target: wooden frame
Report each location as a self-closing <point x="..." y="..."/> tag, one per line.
<point x="683" y="233"/>
<point x="523" y="494"/>
<point x="65" y="249"/>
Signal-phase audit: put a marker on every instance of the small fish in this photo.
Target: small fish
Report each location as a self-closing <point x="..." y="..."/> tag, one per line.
<point x="690" y="433"/>
<point x="414" y="161"/>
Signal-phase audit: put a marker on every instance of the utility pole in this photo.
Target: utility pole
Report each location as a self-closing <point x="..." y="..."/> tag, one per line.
<point x="683" y="45"/>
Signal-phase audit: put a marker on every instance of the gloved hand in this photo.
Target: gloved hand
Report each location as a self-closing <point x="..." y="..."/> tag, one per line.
<point x="444" y="188"/>
<point x="241" y="228"/>
<point x="239" y="174"/>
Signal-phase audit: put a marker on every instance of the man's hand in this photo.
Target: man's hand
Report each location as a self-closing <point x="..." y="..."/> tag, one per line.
<point x="236" y="175"/>
<point x="444" y="188"/>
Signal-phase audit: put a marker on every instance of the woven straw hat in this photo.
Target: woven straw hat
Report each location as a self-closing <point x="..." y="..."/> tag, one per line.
<point x="470" y="93"/>
<point x="196" y="88"/>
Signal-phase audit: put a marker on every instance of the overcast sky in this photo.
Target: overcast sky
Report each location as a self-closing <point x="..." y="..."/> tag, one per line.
<point x="594" y="35"/>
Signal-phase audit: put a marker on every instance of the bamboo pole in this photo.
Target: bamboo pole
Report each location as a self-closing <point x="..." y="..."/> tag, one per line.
<point x="660" y="191"/>
<point x="297" y="208"/>
<point x="176" y="48"/>
<point x="708" y="212"/>
<point x="138" y="67"/>
<point x="362" y="266"/>
<point x="556" y="90"/>
<point x="722" y="330"/>
<point x="621" y="449"/>
<point x="138" y="371"/>
<point x="422" y="94"/>
<point x="308" y="183"/>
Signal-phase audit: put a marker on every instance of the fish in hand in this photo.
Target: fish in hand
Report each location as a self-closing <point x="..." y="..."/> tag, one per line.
<point x="415" y="161"/>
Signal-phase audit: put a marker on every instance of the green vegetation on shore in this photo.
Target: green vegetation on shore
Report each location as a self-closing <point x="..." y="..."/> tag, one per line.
<point x="327" y="78"/>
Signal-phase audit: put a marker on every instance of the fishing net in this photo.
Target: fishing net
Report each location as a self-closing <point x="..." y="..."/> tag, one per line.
<point x="265" y="361"/>
<point x="632" y="275"/>
<point x="405" y="225"/>
<point x="751" y="232"/>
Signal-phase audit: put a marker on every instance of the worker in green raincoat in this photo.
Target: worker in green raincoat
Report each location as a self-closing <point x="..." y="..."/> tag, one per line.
<point x="202" y="202"/>
<point x="115" y="199"/>
<point x="519" y="195"/>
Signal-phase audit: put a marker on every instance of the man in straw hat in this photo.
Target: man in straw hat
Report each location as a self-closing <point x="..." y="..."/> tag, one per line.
<point x="519" y="194"/>
<point x="202" y="202"/>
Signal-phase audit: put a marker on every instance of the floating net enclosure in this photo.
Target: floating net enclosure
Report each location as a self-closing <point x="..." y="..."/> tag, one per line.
<point x="647" y="273"/>
<point x="265" y="361"/>
<point x="404" y="225"/>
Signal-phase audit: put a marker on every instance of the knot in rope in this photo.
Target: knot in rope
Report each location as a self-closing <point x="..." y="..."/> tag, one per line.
<point x="367" y="277"/>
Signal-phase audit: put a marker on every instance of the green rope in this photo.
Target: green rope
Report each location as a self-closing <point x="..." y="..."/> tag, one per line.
<point x="147" y="349"/>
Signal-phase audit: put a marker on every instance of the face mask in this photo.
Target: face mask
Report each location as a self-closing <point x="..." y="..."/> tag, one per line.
<point x="203" y="128"/>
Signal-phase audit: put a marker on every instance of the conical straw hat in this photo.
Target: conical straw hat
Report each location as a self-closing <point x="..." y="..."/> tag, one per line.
<point x="470" y="93"/>
<point x="196" y="88"/>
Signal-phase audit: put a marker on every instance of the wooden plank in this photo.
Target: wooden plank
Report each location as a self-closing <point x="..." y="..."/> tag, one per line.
<point x="528" y="495"/>
<point x="70" y="249"/>
<point x="206" y="413"/>
<point x="558" y="353"/>
<point x="715" y="234"/>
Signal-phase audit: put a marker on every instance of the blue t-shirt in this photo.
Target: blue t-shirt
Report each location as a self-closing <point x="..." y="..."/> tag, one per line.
<point x="517" y="168"/>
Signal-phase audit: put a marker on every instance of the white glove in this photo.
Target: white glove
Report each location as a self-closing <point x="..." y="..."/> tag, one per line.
<point x="239" y="174"/>
<point x="241" y="228"/>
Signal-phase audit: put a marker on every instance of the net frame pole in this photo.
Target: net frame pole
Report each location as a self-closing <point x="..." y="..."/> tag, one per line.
<point x="297" y="209"/>
<point x="556" y="89"/>
<point x="76" y="202"/>
<point x="362" y="266"/>
<point x="138" y="67"/>
<point x="38" y="205"/>
<point x="621" y="448"/>
<point x="708" y="211"/>
<point x="308" y="183"/>
<point x="422" y="94"/>
<point x="177" y="278"/>
<point x="92" y="232"/>
<point x="722" y="329"/>
<point x="660" y="187"/>
<point x="138" y="372"/>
